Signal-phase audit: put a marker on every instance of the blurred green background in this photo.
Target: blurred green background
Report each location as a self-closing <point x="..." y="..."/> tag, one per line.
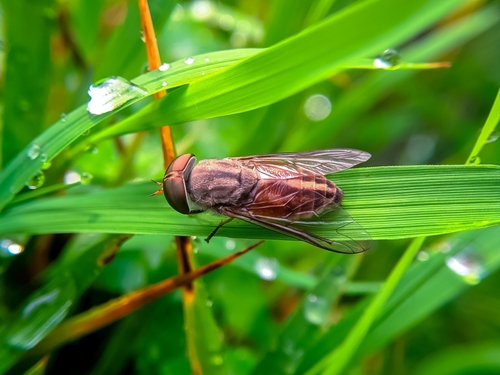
<point x="283" y="307"/>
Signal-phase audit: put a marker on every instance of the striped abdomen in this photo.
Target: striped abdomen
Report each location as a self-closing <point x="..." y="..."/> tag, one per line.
<point x="294" y="198"/>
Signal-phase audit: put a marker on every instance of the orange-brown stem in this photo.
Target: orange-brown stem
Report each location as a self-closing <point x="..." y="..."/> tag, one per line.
<point x="105" y="314"/>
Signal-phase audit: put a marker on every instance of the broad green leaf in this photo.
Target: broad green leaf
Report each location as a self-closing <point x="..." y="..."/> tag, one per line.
<point x="388" y="202"/>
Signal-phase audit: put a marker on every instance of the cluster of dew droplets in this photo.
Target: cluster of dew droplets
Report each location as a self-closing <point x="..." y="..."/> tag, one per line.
<point x="111" y="94"/>
<point x="35" y="152"/>
<point x="389" y="59"/>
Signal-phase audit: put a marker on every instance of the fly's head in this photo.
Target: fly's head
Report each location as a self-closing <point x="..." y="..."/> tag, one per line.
<point x="174" y="183"/>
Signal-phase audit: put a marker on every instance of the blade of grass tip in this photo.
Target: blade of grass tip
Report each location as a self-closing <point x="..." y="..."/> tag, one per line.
<point x="486" y="132"/>
<point x="107" y="313"/>
<point x="335" y="362"/>
<point x="340" y="357"/>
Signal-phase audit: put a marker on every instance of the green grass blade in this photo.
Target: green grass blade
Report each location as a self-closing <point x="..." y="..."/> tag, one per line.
<point x="487" y="131"/>
<point x="294" y="64"/>
<point x="388" y="202"/>
<point x="61" y="134"/>
<point x="336" y="361"/>
<point x="425" y="287"/>
<point x="364" y="95"/>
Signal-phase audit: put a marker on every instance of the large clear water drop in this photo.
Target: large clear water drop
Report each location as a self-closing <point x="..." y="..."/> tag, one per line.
<point x="389" y="59"/>
<point x="111" y="94"/>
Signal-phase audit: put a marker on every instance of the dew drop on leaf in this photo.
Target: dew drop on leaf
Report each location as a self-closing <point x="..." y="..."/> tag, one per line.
<point x="164" y="67"/>
<point x="189" y="61"/>
<point x="493" y="137"/>
<point x="111" y="94"/>
<point x="36" y="181"/>
<point x="34" y="151"/>
<point x="476" y="160"/>
<point x="389" y="59"/>
<point x="86" y="178"/>
<point x="46" y="165"/>
<point x="72" y="177"/>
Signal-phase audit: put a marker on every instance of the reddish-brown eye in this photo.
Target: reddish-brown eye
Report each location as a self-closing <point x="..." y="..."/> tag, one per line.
<point x="174" y="182"/>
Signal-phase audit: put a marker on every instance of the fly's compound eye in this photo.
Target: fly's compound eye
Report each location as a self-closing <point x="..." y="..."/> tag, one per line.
<point x="174" y="182"/>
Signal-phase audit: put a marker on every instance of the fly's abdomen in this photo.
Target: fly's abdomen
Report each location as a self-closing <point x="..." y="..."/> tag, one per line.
<point x="296" y="198"/>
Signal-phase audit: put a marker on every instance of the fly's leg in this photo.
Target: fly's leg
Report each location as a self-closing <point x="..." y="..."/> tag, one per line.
<point x="223" y="222"/>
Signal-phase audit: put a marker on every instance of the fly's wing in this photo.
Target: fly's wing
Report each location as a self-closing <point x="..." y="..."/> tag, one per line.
<point x="293" y="164"/>
<point x="342" y="223"/>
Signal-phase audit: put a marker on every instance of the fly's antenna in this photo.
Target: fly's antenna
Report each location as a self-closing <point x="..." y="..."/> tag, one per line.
<point x="160" y="191"/>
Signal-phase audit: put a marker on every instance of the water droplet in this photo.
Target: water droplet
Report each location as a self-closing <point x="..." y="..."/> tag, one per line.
<point x="164" y="67"/>
<point x="34" y="151"/>
<point x="36" y="181"/>
<point x="207" y="59"/>
<point x="189" y="61"/>
<point x="475" y="160"/>
<point x="41" y="313"/>
<point x="72" y="177"/>
<point x="9" y="248"/>
<point x="202" y="73"/>
<point x="86" y="132"/>
<point x="164" y="84"/>
<point x="493" y="137"/>
<point x="317" y="107"/>
<point x="63" y="117"/>
<point x="423" y="256"/>
<point x="46" y="165"/>
<point x="467" y="264"/>
<point x="209" y="303"/>
<point x="316" y="309"/>
<point x="389" y="59"/>
<point x="230" y="244"/>
<point x="111" y="94"/>
<point x="267" y="268"/>
<point x="86" y="178"/>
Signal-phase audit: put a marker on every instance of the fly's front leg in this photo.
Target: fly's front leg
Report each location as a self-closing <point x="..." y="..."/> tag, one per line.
<point x="223" y="222"/>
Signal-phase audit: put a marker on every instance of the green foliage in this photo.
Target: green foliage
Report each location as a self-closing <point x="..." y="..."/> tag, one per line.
<point x="72" y="183"/>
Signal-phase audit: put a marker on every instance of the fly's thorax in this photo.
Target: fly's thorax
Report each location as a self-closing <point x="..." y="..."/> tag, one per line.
<point x="225" y="182"/>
